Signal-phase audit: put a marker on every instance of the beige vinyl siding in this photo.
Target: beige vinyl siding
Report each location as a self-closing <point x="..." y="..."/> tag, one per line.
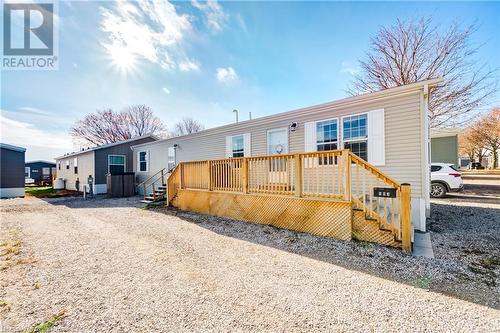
<point x="403" y="135"/>
<point x="85" y="168"/>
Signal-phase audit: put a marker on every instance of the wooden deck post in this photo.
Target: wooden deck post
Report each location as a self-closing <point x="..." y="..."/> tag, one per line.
<point x="298" y="175"/>
<point x="209" y="171"/>
<point x="406" y="227"/>
<point x="346" y="160"/>
<point x="244" y="175"/>
<point x="181" y="175"/>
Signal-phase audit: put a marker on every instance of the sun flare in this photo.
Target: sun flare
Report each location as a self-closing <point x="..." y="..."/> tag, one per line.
<point x="122" y="58"/>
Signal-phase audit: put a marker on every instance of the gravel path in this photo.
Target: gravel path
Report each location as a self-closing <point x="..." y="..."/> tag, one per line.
<point x="113" y="267"/>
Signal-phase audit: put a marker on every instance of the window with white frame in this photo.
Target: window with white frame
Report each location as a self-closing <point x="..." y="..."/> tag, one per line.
<point x="143" y="161"/>
<point x="327" y="135"/>
<point x="116" y="164"/>
<point x="355" y="135"/>
<point x="75" y="165"/>
<point x="171" y="158"/>
<point x="238" y="146"/>
<point x="67" y="164"/>
<point x="27" y="172"/>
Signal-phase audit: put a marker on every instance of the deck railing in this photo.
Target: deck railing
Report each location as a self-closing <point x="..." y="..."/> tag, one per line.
<point x="337" y="174"/>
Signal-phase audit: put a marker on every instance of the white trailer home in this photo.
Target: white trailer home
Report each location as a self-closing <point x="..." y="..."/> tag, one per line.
<point x="388" y="129"/>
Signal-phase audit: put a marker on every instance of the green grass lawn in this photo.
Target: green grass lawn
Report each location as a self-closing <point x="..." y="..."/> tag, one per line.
<point x="48" y="192"/>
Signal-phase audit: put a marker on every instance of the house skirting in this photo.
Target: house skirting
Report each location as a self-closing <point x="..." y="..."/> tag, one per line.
<point x="330" y="218"/>
<point x="12" y="192"/>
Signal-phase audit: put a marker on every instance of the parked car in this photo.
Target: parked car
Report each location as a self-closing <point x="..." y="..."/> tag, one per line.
<point x="445" y="178"/>
<point x="476" y="166"/>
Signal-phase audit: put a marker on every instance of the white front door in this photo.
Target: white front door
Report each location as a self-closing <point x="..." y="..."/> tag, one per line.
<point x="277" y="141"/>
<point x="277" y="144"/>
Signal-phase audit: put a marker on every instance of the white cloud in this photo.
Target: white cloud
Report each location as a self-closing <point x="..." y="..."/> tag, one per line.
<point x="350" y="67"/>
<point x="166" y="90"/>
<point x="27" y="135"/>
<point x="214" y="15"/>
<point x="226" y="75"/>
<point x="144" y="29"/>
<point x="31" y="111"/>
<point x="189" y="65"/>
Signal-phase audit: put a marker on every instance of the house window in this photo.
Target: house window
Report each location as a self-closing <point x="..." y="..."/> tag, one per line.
<point x="326" y="138"/>
<point x="237" y="146"/>
<point x="355" y="135"/>
<point x="171" y="158"/>
<point x="67" y="164"/>
<point x="143" y="161"/>
<point x="59" y="165"/>
<point x="26" y="172"/>
<point x="116" y="164"/>
<point x="75" y="165"/>
<point x="326" y="135"/>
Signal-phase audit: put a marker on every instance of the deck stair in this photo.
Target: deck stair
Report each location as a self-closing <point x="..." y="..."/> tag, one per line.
<point x="329" y="193"/>
<point x="155" y="187"/>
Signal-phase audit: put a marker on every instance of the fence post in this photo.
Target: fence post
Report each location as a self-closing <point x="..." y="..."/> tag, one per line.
<point x="406" y="217"/>
<point x="209" y="170"/>
<point x="244" y="175"/>
<point x="181" y="175"/>
<point x="298" y="175"/>
<point x="346" y="160"/>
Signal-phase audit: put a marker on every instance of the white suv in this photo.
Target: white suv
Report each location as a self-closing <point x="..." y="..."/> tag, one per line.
<point x="445" y="178"/>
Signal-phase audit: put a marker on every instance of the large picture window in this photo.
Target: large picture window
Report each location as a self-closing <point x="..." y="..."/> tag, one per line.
<point x="143" y="161"/>
<point x="237" y="146"/>
<point x="355" y="135"/>
<point x="116" y="164"/>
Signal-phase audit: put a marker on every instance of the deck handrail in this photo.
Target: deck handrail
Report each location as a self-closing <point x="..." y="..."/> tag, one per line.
<point x="150" y="182"/>
<point x="334" y="174"/>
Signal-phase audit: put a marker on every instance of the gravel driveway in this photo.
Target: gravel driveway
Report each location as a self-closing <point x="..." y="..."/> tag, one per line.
<point x="114" y="267"/>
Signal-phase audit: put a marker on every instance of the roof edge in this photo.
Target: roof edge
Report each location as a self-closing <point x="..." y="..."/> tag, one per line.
<point x="12" y="147"/>
<point x="154" y="137"/>
<point x="340" y="102"/>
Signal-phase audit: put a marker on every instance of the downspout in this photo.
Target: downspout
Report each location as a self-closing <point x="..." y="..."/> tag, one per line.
<point x="427" y="151"/>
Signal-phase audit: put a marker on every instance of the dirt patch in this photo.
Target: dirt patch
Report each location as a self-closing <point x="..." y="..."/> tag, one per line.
<point x="107" y="265"/>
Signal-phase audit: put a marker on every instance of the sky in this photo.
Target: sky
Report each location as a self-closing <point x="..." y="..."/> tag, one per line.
<point x="203" y="60"/>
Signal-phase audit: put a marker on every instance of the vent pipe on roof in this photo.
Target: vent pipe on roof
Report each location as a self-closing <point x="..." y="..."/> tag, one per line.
<point x="236" y="113"/>
<point x="250" y="115"/>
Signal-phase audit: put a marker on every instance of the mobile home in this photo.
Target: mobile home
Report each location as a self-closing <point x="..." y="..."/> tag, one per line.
<point x="97" y="162"/>
<point x="389" y="129"/>
<point x="39" y="172"/>
<point x="12" y="171"/>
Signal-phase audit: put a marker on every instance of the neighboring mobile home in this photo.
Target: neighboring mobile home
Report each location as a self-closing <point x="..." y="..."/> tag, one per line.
<point x="12" y="171"/>
<point x="444" y="146"/>
<point x="39" y="172"/>
<point x="388" y="128"/>
<point x="97" y="162"/>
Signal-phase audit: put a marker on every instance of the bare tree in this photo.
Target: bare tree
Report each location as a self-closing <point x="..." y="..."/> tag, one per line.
<point x="142" y="121"/>
<point x="413" y="51"/>
<point x="487" y="131"/>
<point x="187" y="126"/>
<point x="108" y="126"/>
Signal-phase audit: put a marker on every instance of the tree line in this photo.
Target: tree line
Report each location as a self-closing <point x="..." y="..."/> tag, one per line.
<point x="482" y="137"/>
<point x="108" y="126"/>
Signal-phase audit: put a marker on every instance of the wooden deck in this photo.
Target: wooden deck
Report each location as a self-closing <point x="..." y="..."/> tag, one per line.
<point x="323" y="193"/>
